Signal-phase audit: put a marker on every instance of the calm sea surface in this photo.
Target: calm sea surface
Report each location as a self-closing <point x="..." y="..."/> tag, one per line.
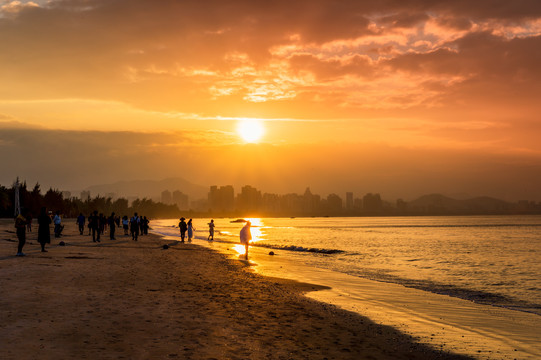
<point x="494" y="260"/>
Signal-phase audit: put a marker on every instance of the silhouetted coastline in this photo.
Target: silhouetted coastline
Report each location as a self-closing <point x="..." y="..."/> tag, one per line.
<point x="250" y="202"/>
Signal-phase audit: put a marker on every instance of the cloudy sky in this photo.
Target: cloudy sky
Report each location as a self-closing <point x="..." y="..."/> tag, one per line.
<point x="398" y="97"/>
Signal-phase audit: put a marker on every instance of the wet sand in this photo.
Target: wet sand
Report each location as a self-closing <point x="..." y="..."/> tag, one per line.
<point x="482" y="331"/>
<point x="135" y="300"/>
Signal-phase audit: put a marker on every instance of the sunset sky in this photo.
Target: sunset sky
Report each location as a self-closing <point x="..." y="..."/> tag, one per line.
<point x="398" y="97"/>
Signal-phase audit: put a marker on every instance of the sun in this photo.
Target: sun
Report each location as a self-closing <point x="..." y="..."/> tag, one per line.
<point x="250" y="130"/>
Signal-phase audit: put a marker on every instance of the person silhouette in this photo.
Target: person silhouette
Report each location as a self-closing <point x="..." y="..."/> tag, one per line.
<point x="57" y="224"/>
<point x="145" y="225"/>
<point x="94" y="226"/>
<point x="125" y="225"/>
<point x="211" y="230"/>
<point x="245" y="237"/>
<point x="134" y="226"/>
<point x="29" y="222"/>
<point x="112" y="226"/>
<point x="141" y="225"/>
<point x="191" y="229"/>
<point x="44" y="233"/>
<point x="81" y="222"/>
<point x="183" y="227"/>
<point x="20" y="226"/>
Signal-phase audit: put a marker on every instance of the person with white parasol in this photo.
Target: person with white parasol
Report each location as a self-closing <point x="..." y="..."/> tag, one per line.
<point x="246" y="236"/>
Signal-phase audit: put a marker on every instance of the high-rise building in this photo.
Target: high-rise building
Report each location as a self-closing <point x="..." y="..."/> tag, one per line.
<point x="249" y="199"/>
<point x="292" y="203"/>
<point x="349" y="200"/>
<point x="222" y="198"/>
<point x="271" y="203"/>
<point x="180" y="200"/>
<point x="334" y="203"/>
<point x="308" y="203"/>
<point x="166" y="197"/>
<point x="372" y="202"/>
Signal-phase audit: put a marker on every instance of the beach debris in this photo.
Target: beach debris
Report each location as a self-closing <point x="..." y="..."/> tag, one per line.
<point x="165" y="247"/>
<point x="62" y="243"/>
<point x="271" y="252"/>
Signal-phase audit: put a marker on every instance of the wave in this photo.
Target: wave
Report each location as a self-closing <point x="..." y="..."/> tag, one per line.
<point x="299" y="248"/>
<point x="480" y="297"/>
<point x="473" y="295"/>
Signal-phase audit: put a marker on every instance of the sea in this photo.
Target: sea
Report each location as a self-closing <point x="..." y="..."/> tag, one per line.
<point x="464" y="284"/>
<point x="493" y="260"/>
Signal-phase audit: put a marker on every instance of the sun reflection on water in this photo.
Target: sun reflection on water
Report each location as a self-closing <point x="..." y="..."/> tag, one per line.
<point x="256" y="229"/>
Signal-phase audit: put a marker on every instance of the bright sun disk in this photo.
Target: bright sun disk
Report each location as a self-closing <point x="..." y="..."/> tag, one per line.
<point x="250" y="130"/>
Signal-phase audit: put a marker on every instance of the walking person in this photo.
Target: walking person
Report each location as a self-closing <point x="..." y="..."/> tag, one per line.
<point x="245" y="237"/>
<point x="29" y="222"/>
<point x="102" y="222"/>
<point x="141" y="225"/>
<point x="20" y="226"/>
<point x="183" y="227"/>
<point x="81" y="222"/>
<point x="94" y="225"/>
<point x="89" y="224"/>
<point x="145" y="225"/>
<point x="44" y="233"/>
<point x="134" y="227"/>
<point x="191" y="229"/>
<point x="117" y="221"/>
<point x="211" y="230"/>
<point x="125" y="225"/>
<point x="57" y="224"/>
<point x="112" y="226"/>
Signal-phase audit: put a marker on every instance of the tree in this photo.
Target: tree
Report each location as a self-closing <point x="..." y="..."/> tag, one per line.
<point x="54" y="200"/>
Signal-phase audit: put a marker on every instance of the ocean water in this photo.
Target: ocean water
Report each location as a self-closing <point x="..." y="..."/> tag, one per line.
<point x="492" y="260"/>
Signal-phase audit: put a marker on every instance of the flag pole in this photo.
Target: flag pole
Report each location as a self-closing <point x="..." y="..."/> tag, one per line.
<point x="16" y="186"/>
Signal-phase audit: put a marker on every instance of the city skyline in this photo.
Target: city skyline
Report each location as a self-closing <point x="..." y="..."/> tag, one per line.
<point x="222" y="199"/>
<point x="229" y="200"/>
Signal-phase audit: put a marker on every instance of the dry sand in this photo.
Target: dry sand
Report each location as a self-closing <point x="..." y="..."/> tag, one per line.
<point x="135" y="300"/>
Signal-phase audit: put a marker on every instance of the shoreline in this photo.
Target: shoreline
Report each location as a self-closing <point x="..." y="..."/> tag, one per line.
<point x="125" y="299"/>
<point x="445" y="322"/>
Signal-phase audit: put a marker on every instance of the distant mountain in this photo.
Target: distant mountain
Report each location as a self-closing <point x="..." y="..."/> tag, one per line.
<point x="150" y="189"/>
<point x="437" y="203"/>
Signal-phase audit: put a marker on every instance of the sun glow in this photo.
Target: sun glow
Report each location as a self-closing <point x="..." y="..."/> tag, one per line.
<point x="250" y="130"/>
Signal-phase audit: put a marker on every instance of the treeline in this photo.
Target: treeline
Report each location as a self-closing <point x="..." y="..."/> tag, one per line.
<point x="32" y="201"/>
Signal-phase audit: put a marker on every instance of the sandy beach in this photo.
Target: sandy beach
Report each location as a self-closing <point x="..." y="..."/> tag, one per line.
<point x="135" y="300"/>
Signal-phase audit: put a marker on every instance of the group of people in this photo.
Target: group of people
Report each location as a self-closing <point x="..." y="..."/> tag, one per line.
<point x="138" y="225"/>
<point x="187" y="227"/>
<point x="23" y="224"/>
<point x="99" y="223"/>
